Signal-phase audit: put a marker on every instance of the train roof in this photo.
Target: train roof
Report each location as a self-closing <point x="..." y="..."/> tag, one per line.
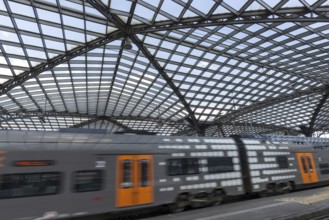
<point x="43" y="140"/>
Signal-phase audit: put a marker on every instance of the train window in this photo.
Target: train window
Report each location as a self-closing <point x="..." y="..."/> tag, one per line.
<point x="127" y="174"/>
<point x="220" y="164"/>
<point x="282" y="161"/>
<point x="175" y="167"/>
<point x="87" y="180"/>
<point x="310" y="164"/>
<point x="29" y="184"/>
<point x="183" y="166"/>
<point x="144" y="173"/>
<point x="324" y="165"/>
<point x="192" y="165"/>
<point x="304" y="165"/>
<point x="324" y="168"/>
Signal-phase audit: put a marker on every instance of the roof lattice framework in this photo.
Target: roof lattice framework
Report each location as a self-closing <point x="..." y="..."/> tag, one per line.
<point x="174" y="67"/>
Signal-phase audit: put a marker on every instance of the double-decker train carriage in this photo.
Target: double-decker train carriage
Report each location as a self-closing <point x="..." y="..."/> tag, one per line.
<point x="54" y="175"/>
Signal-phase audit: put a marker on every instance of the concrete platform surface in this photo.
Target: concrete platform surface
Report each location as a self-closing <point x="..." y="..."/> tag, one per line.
<point x="301" y="205"/>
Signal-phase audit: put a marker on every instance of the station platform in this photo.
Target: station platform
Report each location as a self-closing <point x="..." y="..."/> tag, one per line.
<point x="301" y="205"/>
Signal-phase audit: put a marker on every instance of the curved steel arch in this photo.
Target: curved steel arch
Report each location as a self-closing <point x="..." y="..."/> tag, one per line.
<point x="251" y="17"/>
<point x="7" y="116"/>
<point x="315" y="114"/>
<point x="101" y="118"/>
<point x="115" y="120"/>
<point x="269" y="102"/>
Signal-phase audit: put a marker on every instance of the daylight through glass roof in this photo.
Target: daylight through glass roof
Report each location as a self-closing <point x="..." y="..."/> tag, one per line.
<point x="170" y="67"/>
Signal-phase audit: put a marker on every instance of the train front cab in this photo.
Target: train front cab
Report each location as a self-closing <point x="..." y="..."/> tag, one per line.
<point x="134" y="180"/>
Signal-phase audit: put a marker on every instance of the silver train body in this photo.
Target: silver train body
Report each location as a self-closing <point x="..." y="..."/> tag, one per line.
<point x="52" y="175"/>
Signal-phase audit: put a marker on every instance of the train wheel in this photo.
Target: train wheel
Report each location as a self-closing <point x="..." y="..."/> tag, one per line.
<point x="269" y="191"/>
<point x="216" y="197"/>
<point x="284" y="188"/>
<point x="180" y="204"/>
<point x="199" y="200"/>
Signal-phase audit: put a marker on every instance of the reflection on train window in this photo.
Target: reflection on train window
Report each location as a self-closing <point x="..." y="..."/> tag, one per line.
<point x="175" y="167"/>
<point x="324" y="168"/>
<point x="310" y="163"/>
<point x="29" y="184"/>
<point x="144" y="172"/>
<point x="183" y="166"/>
<point x="127" y="174"/>
<point x="304" y="165"/>
<point x="282" y="161"/>
<point x="192" y="165"/>
<point x="87" y="180"/>
<point x="220" y="164"/>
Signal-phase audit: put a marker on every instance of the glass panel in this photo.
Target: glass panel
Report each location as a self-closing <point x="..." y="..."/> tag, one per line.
<point x="175" y="167"/>
<point x="29" y="184"/>
<point x="282" y="161"/>
<point x="304" y="165"/>
<point x="127" y="174"/>
<point x="144" y="173"/>
<point x="192" y="166"/>
<point x="220" y="165"/>
<point x="88" y="180"/>
<point x="310" y="163"/>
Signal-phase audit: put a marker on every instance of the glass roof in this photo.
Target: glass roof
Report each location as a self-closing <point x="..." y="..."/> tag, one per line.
<point x="173" y="67"/>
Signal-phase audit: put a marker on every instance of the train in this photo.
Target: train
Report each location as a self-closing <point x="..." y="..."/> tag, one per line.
<point x="68" y="175"/>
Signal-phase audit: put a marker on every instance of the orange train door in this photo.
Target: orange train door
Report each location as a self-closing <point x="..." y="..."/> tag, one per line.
<point x="307" y="167"/>
<point x="134" y="180"/>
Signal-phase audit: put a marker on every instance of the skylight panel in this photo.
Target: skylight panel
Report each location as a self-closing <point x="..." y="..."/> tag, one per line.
<point x="5" y="72"/>
<point x="48" y="15"/>
<point x="33" y="41"/>
<point x="237" y="4"/>
<point x="55" y="45"/>
<point x="27" y="25"/>
<point x="144" y="12"/>
<point x="18" y="62"/>
<point x="171" y="8"/>
<point x="255" y="6"/>
<point x="8" y="36"/>
<point x="273" y="3"/>
<point x="203" y="6"/>
<point x="74" y="36"/>
<point x="21" y="9"/>
<point x="121" y="5"/>
<point x="52" y="31"/>
<point x="13" y="50"/>
<point x="98" y="28"/>
<point x="71" y="5"/>
<point x="292" y="4"/>
<point x="73" y="22"/>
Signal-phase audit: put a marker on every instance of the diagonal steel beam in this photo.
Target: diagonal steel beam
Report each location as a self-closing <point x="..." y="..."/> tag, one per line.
<point x="101" y="118"/>
<point x="126" y="30"/>
<point x="35" y="71"/>
<point x="316" y="112"/>
<point x="6" y="116"/>
<point x="9" y="116"/>
<point x="269" y="102"/>
<point x="221" y="126"/>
